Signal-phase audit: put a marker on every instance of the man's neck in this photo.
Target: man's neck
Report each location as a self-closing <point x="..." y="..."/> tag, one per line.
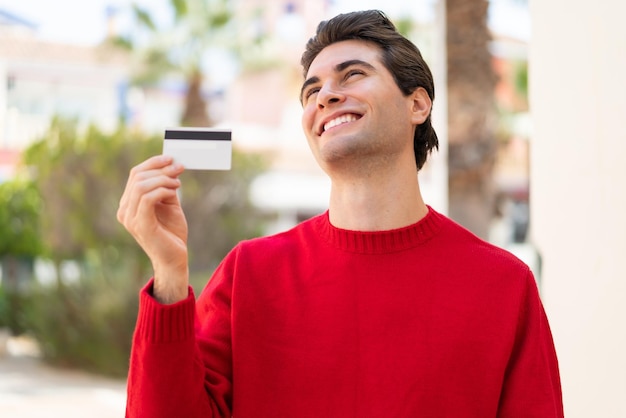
<point x="377" y="202"/>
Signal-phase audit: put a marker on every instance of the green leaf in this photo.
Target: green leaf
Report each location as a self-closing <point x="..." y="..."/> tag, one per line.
<point x="144" y="17"/>
<point x="180" y="8"/>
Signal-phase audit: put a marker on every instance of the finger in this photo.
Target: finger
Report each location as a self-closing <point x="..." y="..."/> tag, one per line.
<point x="138" y="189"/>
<point x="144" y="217"/>
<point x="167" y="176"/>
<point x="141" y="183"/>
<point x="154" y="166"/>
<point x="152" y="163"/>
<point x="147" y="203"/>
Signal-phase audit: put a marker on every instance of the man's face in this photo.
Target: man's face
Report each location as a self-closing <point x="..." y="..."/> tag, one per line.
<point x="353" y="109"/>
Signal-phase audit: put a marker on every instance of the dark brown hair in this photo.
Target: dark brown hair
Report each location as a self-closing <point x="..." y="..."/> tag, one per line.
<point x="399" y="55"/>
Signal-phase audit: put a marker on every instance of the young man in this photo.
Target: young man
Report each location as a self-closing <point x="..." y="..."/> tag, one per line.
<point x="380" y="307"/>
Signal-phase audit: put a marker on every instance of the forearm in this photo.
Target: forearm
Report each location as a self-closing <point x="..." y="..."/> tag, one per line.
<point x="171" y="284"/>
<point x="167" y="376"/>
<point x="532" y="384"/>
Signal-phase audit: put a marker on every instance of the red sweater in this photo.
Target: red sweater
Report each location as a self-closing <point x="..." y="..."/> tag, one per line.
<point x="423" y="321"/>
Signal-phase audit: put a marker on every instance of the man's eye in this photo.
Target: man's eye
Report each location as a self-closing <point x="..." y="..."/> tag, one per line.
<point x="354" y="72"/>
<point x="311" y="92"/>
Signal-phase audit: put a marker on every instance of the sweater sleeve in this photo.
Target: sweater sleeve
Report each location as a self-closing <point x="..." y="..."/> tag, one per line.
<point x="531" y="387"/>
<point x="168" y="376"/>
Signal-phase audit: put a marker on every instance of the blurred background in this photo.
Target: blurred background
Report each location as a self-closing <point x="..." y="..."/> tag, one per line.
<point x="528" y="109"/>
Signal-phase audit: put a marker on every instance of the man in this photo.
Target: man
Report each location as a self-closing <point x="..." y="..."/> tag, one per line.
<point x="380" y="307"/>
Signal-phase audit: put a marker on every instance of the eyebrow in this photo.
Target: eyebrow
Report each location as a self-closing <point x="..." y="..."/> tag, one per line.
<point x="338" y="68"/>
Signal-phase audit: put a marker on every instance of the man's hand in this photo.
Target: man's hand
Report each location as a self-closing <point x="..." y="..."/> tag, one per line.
<point x="150" y="210"/>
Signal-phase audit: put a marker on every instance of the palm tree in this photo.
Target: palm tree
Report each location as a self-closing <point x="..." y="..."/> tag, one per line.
<point x="196" y="27"/>
<point x="471" y="112"/>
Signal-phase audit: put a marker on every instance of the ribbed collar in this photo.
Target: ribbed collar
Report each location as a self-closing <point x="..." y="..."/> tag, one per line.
<point x="379" y="242"/>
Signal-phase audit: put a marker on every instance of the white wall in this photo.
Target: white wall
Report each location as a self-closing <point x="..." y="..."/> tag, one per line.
<point x="578" y="194"/>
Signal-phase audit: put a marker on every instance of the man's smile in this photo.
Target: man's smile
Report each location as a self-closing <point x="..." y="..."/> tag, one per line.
<point x="339" y="120"/>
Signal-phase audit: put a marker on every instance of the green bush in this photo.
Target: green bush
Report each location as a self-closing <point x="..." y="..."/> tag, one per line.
<point x="20" y="208"/>
<point x="13" y="308"/>
<point x="78" y="178"/>
<point x="4" y="308"/>
<point x="86" y="325"/>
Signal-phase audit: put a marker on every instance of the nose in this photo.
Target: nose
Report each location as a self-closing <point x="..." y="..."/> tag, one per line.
<point x="328" y="95"/>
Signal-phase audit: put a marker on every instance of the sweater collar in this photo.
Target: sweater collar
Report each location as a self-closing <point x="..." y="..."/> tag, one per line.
<point x="379" y="242"/>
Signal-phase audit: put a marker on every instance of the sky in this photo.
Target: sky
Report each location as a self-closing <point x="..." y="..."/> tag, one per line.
<point x="83" y="22"/>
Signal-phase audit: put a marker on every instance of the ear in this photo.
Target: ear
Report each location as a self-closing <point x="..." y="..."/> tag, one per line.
<point x="420" y="105"/>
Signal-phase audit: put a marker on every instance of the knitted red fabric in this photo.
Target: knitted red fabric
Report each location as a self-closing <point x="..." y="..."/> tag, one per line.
<point x="422" y="321"/>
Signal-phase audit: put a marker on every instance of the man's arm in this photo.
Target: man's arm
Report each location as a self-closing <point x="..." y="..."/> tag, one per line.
<point x="168" y="375"/>
<point x="532" y="386"/>
<point x="150" y="210"/>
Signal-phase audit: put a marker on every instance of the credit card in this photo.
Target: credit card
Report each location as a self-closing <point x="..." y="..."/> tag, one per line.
<point x="199" y="148"/>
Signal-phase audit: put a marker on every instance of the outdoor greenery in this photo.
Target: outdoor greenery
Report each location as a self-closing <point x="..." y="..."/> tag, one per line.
<point x="20" y="206"/>
<point x="75" y="178"/>
<point x="19" y="219"/>
<point x="4" y="308"/>
<point x="86" y="316"/>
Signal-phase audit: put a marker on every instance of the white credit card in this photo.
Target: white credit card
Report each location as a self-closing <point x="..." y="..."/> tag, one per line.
<point x="199" y="148"/>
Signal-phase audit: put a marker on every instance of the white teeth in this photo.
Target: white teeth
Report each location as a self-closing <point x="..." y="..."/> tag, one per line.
<point x="339" y="120"/>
